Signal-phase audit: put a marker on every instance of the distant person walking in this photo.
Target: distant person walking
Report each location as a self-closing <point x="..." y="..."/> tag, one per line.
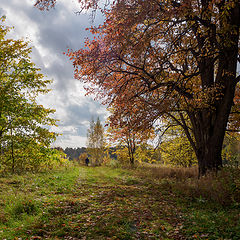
<point x="87" y="161"/>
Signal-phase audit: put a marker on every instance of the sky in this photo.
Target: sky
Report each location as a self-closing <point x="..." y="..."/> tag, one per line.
<point x="50" y="34"/>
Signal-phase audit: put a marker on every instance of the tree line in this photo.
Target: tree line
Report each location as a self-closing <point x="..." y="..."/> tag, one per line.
<point x="106" y="146"/>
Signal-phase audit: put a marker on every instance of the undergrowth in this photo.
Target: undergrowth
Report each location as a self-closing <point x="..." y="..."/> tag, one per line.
<point x="222" y="188"/>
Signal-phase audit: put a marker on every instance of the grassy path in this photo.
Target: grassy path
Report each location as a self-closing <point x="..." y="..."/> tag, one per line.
<point x="105" y="203"/>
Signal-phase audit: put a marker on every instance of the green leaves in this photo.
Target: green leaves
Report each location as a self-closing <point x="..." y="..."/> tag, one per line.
<point x="22" y="132"/>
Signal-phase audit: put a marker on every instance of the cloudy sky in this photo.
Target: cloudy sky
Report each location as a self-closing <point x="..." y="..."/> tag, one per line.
<point x="50" y="34"/>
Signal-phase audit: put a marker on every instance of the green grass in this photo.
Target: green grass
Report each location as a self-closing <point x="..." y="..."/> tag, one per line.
<point x="105" y="203"/>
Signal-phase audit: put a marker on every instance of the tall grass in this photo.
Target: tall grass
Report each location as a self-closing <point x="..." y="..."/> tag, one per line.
<point x="223" y="188"/>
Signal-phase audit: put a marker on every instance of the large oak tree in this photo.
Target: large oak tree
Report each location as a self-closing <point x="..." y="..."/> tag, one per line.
<point x="174" y="59"/>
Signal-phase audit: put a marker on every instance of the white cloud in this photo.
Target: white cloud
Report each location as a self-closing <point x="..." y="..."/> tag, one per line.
<point x="70" y="141"/>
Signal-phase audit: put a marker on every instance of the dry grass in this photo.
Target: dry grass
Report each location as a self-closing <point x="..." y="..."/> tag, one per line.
<point x="223" y="189"/>
<point x="169" y="172"/>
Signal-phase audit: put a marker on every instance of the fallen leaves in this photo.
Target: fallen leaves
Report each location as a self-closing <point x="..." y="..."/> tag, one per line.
<point x="112" y="207"/>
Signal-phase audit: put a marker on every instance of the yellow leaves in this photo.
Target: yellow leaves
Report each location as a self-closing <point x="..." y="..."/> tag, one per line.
<point x="175" y="141"/>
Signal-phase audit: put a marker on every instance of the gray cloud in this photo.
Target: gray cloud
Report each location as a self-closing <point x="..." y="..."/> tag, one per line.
<point x="82" y="113"/>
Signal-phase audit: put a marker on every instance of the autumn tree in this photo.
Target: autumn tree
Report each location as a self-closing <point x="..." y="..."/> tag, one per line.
<point x="173" y="144"/>
<point x="24" y="142"/>
<point x="167" y="57"/>
<point x="146" y="153"/>
<point x="178" y="151"/>
<point x="122" y="132"/>
<point x="96" y="142"/>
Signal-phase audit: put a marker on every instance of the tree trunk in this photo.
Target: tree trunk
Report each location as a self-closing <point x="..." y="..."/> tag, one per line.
<point x="132" y="161"/>
<point x="12" y="153"/>
<point x="209" y="127"/>
<point x="131" y="149"/>
<point x="131" y="156"/>
<point x="209" y="158"/>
